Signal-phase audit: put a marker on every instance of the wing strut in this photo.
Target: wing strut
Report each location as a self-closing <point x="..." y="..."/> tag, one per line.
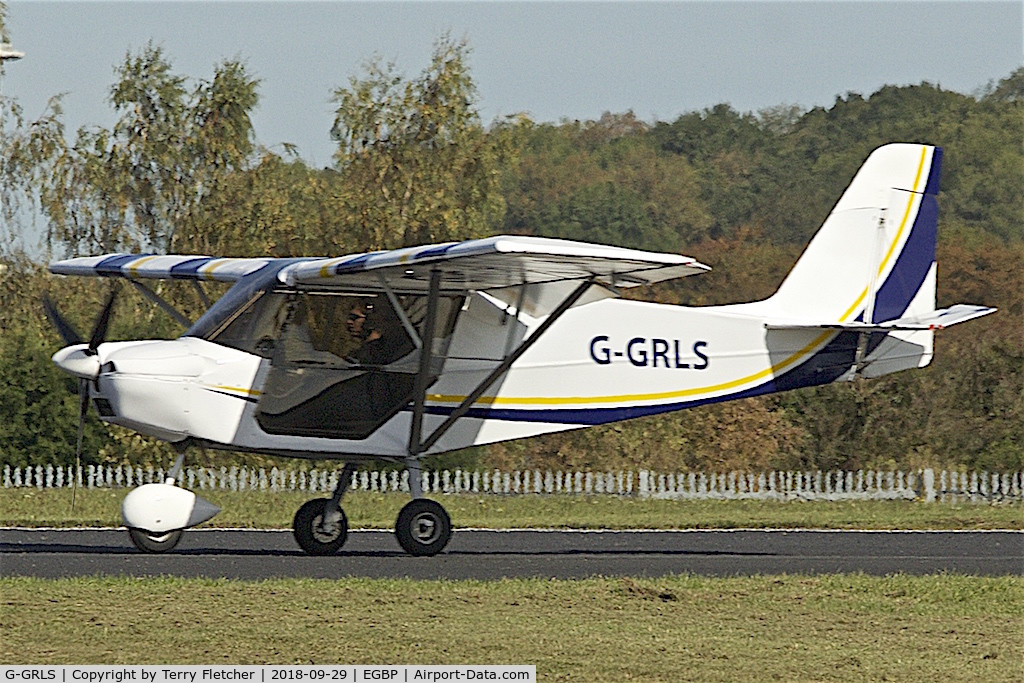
<point x="426" y="350"/>
<point x="415" y="447"/>
<point x="399" y="311"/>
<point x="202" y="294"/>
<point x="162" y="303"/>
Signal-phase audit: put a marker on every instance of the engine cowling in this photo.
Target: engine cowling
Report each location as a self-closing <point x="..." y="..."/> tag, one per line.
<point x="164" y="507"/>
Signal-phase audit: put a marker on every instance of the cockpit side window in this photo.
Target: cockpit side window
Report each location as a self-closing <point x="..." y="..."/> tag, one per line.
<point x="346" y="363"/>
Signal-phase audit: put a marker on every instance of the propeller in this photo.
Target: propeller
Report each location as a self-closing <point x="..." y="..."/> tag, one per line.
<point x="67" y="331"/>
<point x="63" y="327"/>
<point x="99" y="330"/>
<point x="71" y="337"/>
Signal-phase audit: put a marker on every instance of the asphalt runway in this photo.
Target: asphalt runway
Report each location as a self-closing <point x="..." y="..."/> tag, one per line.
<point x="494" y="554"/>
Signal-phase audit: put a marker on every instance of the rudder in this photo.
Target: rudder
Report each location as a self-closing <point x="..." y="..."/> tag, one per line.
<point x="873" y="259"/>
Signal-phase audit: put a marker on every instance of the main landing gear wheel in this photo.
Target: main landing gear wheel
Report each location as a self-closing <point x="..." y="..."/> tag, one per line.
<point x="150" y="542"/>
<point x="423" y="528"/>
<point x="314" y="534"/>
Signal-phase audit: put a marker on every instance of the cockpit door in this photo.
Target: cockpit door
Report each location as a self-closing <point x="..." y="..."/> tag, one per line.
<point x="344" y="364"/>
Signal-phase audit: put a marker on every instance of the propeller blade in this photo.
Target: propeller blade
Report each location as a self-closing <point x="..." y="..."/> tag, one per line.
<point x="63" y="327"/>
<point x="99" y="330"/>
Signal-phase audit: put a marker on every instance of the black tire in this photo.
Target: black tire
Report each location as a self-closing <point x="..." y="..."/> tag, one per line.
<point x="151" y="542"/>
<point x="310" y="534"/>
<point x="423" y="528"/>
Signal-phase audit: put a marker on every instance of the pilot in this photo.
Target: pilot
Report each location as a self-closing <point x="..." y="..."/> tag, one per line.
<point x="383" y="342"/>
<point x="381" y="333"/>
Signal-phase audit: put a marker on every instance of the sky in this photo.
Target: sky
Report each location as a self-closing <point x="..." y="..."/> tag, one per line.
<point x="551" y="60"/>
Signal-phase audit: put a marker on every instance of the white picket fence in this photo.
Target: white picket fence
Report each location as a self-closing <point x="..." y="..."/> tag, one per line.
<point x="925" y="484"/>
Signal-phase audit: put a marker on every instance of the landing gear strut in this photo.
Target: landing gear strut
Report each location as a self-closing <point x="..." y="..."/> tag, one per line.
<point x="423" y="527"/>
<point x="320" y="526"/>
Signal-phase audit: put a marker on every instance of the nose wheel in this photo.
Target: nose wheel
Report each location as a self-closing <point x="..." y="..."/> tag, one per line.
<point x="150" y="542"/>
<point x="423" y="528"/>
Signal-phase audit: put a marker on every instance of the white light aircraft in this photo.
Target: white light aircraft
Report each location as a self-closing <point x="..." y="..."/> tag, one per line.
<point x="412" y="352"/>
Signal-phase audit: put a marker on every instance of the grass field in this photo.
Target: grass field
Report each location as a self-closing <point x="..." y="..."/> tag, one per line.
<point x="684" y="628"/>
<point x="788" y="628"/>
<point x="102" y="507"/>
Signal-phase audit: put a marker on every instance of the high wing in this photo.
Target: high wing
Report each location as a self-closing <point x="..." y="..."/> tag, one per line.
<point x="491" y="263"/>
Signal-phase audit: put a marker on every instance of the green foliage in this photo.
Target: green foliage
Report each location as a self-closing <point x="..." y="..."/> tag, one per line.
<point x="38" y="403"/>
<point x="416" y="165"/>
<point x="134" y="186"/>
<point x="781" y="172"/>
<point x="278" y="208"/>
<point x="602" y="181"/>
<point x="4" y="37"/>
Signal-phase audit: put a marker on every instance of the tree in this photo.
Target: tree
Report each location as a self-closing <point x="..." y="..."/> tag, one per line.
<point x="416" y="165"/>
<point x="135" y="186"/>
<point x="602" y="181"/>
<point x="276" y="208"/>
<point x="3" y="24"/>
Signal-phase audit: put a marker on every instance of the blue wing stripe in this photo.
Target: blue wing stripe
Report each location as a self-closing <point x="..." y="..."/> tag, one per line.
<point x="189" y="269"/>
<point x="113" y="265"/>
<point x="353" y="266"/>
<point x="435" y="251"/>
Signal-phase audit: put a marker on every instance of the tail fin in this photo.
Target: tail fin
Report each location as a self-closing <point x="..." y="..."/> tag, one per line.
<point x="873" y="260"/>
<point x="869" y="272"/>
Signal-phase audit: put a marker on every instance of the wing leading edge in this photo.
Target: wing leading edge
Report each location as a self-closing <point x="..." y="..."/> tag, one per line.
<point x="154" y="267"/>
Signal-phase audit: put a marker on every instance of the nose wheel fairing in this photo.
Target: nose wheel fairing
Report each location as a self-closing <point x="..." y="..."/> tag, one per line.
<point x="162" y="508"/>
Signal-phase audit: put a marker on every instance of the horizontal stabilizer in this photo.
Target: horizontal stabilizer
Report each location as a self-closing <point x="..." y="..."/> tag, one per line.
<point x="936" y="320"/>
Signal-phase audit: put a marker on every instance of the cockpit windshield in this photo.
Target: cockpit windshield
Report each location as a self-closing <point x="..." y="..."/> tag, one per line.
<point x="342" y="363"/>
<point x="244" y="300"/>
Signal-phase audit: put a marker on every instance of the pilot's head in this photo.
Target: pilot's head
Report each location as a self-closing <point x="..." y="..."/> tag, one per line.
<point x="356" y="322"/>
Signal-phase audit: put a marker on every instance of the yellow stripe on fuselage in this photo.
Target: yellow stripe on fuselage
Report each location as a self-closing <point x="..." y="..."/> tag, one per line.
<point x="623" y="398"/>
<point x="239" y="390"/>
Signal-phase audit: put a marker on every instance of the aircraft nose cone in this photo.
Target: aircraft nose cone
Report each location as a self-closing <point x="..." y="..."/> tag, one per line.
<point x="79" y="361"/>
